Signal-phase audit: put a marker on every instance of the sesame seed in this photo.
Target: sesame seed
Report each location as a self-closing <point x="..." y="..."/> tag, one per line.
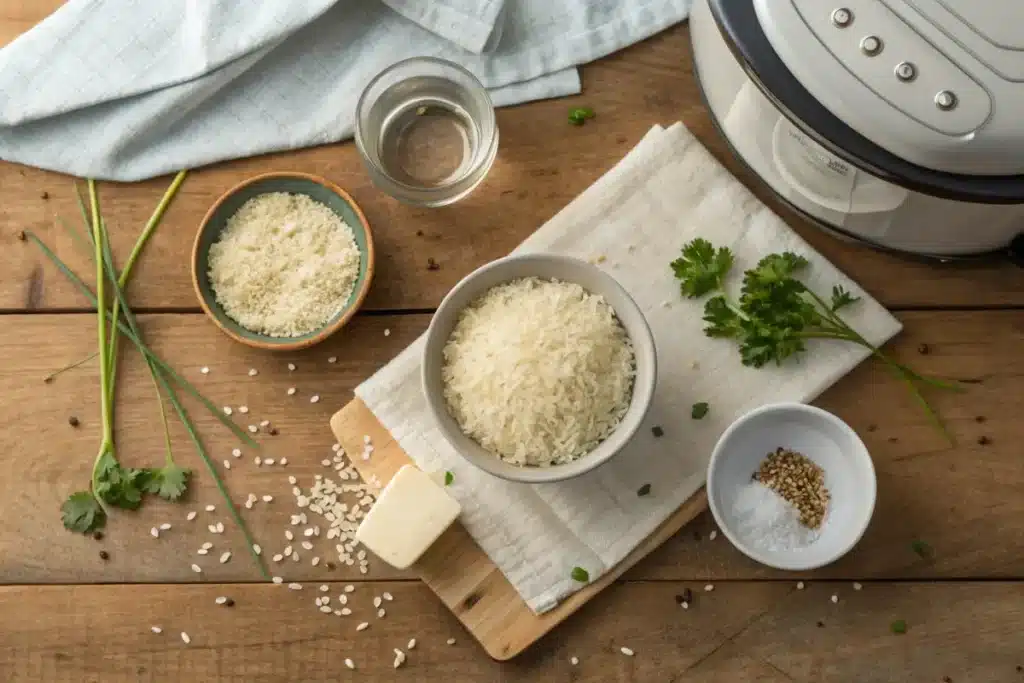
<point x="332" y="359"/>
<point x="225" y="556"/>
<point x="185" y="638"/>
<point x="277" y="580"/>
<point x="227" y="410"/>
<point x="258" y="461"/>
<point x="381" y="613"/>
<point x="205" y="370"/>
<point x="292" y="480"/>
<point x="210" y="508"/>
<point x="325" y="462"/>
<point x="291" y="391"/>
<point x="835" y="599"/>
<point x="282" y="462"/>
<point x="253" y="372"/>
<point x="376" y="601"/>
<point x="236" y="452"/>
<point x="387" y="332"/>
<point x="221" y="600"/>
<point x="156" y="629"/>
<point x="574" y="660"/>
<point x="857" y="586"/>
<point x="264" y="423"/>
<point x="267" y="498"/>
<point x="248" y="505"/>
<point x="191" y="515"/>
<point x="399" y="658"/>
<point x="253" y="429"/>
<point x="411" y="645"/>
<point x="626" y="651"/>
<point x="295" y="586"/>
<point x="288" y="551"/>
<point x="227" y="464"/>
<point x="278" y="557"/>
<point x="220" y="527"/>
<point x="343" y="599"/>
<point x="291" y="367"/>
<point x="345" y="611"/>
<point x="166" y="526"/>
<point x="450" y="641"/>
<point x="349" y="663"/>
<point x="713" y="535"/>
<point x="197" y="569"/>
<point x="154" y="532"/>
<point x="336" y="447"/>
<point x="243" y="409"/>
<point x="799" y="585"/>
<point x="207" y="545"/>
<point x="318" y="601"/>
<point x="315" y="398"/>
<point x="387" y="596"/>
<point x="362" y="626"/>
<point x="324" y="588"/>
<point x="315" y="561"/>
<point x="257" y="549"/>
<point x="710" y="587"/>
<point x="684" y="604"/>
<point x="326" y="609"/>
<point x="289" y="535"/>
<point x="349" y="588"/>
<point x="308" y="532"/>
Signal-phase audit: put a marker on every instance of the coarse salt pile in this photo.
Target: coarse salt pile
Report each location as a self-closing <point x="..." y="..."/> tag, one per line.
<point x="538" y="372"/>
<point x="767" y="521"/>
<point x="284" y="265"/>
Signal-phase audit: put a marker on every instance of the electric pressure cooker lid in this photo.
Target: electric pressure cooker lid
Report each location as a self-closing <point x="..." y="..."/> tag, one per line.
<point x="924" y="93"/>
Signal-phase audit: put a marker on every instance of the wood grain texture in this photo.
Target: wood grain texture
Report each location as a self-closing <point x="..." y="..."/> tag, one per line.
<point x="543" y="164"/>
<point x="462" y="575"/>
<point x="740" y="632"/>
<point x="963" y="500"/>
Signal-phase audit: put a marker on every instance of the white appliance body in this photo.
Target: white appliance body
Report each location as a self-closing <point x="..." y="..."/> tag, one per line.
<point x="830" y="188"/>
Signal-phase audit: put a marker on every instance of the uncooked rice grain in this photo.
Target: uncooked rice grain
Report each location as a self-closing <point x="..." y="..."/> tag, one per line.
<point x="284" y="265"/>
<point x="538" y="372"/>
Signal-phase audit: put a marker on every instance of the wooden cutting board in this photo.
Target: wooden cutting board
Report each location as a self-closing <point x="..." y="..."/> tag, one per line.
<point x="461" y="574"/>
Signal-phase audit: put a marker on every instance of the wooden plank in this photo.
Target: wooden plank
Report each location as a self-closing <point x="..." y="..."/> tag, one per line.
<point x="543" y="163"/>
<point x="963" y="501"/>
<point x="18" y="16"/>
<point x="462" y="575"/>
<point x="970" y="632"/>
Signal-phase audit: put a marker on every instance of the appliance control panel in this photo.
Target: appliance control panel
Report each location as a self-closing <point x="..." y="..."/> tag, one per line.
<point x="897" y="64"/>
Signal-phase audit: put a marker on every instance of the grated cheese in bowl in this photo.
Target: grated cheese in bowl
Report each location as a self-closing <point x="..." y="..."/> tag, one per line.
<point x="284" y="265"/>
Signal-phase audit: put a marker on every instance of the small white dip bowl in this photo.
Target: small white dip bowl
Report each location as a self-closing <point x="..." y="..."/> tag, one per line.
<point x="823" y="438"/>
<point x="547" y="267"/>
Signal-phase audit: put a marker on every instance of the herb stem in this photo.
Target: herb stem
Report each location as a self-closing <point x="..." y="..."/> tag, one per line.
<point x="101" y="318"/>
<point x="71" y="366"/>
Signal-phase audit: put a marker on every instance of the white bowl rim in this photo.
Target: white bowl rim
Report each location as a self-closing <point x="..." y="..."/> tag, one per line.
<point x="618" y="439"/>
<point x="861" y="452"/>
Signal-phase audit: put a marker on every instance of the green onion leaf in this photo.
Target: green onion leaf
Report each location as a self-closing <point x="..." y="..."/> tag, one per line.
<point x="580" y="574"/>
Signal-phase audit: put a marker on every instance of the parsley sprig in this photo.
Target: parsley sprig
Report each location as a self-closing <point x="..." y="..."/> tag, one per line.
<point x="776" y="313"/>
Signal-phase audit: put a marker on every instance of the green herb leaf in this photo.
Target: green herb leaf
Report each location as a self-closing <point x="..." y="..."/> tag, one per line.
<point x="169" y="482"/>
<point x="842" y="298"/>
<point x="580" y="574"/>
<point x="117" y="485"/>
<point x="583" y="113"/>
<point x="576" y="120"/>
<point x="922" y="549"/>
<point x="701" y="269"/>
<point x="81" y="512"/>
<point x="898" y="627"/>
<point x="699" y="410"/>
<point x="448" y="478"/>
<point x="644" y="490"/>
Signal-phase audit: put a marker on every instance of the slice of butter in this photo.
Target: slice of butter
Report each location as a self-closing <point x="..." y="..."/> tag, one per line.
<point x="410" y="514"/>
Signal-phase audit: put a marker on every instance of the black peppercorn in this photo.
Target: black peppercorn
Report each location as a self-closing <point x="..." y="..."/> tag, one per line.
<point x="923" y="349"/>
<point x="984" y="441"/>
<point x="98" y="535"/>
<point x="22" y="236"/>
<point x="657" y="431"/>
<point x="432" y="264"/>
<point x="273" y="431"/>
<point x="104" y="555"/>
<point x="229" y="603"/>
<point x="45" y="195"/>
<point x="73" y="421"/>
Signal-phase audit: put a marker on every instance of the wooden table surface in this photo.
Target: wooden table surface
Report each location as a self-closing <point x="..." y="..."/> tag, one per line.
<point x="68" y="616"/>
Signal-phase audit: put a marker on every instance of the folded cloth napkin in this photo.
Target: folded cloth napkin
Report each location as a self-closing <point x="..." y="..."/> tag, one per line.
<point x="131" y="89"/>
<point x="667" y="191"/>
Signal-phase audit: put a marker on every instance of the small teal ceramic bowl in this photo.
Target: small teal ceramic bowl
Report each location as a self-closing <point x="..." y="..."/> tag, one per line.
<point x="216" y="218"/>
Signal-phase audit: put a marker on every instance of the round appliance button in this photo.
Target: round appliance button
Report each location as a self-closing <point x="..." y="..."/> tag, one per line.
<point x="945" y="100"/>
<point x="906" y="72"/>
<point x="842" y="17"/>
<point x="871" y="45"/>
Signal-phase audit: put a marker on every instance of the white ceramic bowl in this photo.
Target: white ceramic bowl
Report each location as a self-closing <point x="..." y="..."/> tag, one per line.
<point x="546" y="266"/>
<point x="822" y="437"/>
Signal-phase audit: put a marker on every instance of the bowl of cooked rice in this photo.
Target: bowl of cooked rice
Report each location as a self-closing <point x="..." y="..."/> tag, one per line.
<point x="538" y="367"/>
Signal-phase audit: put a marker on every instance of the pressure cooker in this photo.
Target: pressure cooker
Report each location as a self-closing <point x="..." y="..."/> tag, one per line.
<point x="897" y="123"/>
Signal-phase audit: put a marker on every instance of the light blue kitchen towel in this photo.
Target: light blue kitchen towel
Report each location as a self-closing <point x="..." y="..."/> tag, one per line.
<point x="132" y="89"/>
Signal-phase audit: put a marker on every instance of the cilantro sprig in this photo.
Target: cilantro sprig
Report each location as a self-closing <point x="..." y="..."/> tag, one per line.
<point x="776" y="313"/>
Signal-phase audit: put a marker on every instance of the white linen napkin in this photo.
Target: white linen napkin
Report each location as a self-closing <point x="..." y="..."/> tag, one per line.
<point x="131" y="89"/>
<point x="667" y="191"/>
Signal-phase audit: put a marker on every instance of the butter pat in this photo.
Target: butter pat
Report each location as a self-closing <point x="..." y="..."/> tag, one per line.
<point x="410" y="514"/>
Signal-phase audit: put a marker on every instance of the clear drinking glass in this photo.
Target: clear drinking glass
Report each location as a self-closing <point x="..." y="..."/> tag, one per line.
<point x="426" y="130"/>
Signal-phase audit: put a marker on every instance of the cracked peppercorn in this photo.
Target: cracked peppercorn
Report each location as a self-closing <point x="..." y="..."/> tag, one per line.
<point x="73" y="421"/>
